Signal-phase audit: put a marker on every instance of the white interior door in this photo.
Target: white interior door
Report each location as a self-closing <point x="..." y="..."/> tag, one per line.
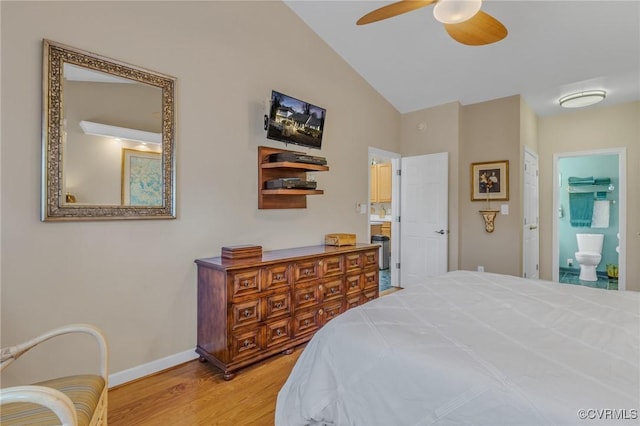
<point x="424" y="201"/>
<point x="530" y="231"/>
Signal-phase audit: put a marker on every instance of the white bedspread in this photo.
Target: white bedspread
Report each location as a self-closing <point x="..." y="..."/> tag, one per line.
<point x="477" y="349"/>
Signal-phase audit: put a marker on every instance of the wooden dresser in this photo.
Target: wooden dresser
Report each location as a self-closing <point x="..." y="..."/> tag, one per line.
<point x="251" y="309"/>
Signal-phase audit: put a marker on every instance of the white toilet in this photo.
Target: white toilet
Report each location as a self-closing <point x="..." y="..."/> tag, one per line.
<point x="589" y="255"/>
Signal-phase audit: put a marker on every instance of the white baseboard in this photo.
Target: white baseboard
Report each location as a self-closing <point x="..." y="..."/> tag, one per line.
<point x="134" y="373"/>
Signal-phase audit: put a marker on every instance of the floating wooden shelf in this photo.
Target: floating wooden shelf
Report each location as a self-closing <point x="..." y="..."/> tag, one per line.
<point x="283" y="198"/>
<point x="292" y="191"/>
<point x="296" y="166"/>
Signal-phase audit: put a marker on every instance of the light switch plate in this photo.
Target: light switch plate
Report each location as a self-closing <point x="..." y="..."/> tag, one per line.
<point x="504" y="209"/>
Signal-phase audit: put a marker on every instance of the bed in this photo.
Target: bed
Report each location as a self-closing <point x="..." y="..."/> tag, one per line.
<point x="476" y="349"/>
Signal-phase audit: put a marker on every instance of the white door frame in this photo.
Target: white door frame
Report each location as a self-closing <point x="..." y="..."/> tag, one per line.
<point x="534" y="154"/>
<point x="622" y="208"/>
<point x="395" y="208"/>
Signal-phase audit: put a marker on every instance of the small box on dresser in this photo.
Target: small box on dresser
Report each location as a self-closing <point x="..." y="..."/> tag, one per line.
<point x="253" y="308"/>
<point x="340" y="239"/>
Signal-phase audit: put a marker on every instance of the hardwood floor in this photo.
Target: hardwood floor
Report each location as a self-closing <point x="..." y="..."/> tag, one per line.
<point x="195" y="393"/>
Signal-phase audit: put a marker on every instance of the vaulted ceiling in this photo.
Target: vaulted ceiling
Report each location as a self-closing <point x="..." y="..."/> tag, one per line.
<point x="553" y="48"/>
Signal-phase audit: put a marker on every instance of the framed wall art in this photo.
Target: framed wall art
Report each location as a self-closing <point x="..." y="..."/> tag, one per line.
<point x="141" y="178"/>
<point x="490" y="181"/>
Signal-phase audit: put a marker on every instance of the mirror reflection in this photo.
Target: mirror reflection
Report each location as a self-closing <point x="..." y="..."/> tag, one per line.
<point x="108" y="138"/>
<point x="111" y="124"/>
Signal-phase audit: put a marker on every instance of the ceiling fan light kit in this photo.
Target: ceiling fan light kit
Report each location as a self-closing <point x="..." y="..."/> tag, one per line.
<point x="582" y="99"/>
<point x="455" y="11"/>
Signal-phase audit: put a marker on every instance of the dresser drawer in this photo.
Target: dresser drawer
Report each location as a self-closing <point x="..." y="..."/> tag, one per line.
<point x="370" y="258"/>
<point x="306" y="296"/>
<point x="278" y="332"/>
<point x="246" y="344"/>
<point x="353" y="300"/>
<point x="276" y="276"/>
<point x="368" y="296"/>
<point x="305" y="271"/>
<point x="276" y="305"/>
<point x="332" y="310"/>
<point x="353" y="284"/>
<point x="370" y="279"/>
<point x="353" y="261"/>
<point x="332" y="265"/>
<point x="307" y="321"/>
<point x="245" y="313"/>
<point x="332" y="289"/>
<point x="245" y="282"/>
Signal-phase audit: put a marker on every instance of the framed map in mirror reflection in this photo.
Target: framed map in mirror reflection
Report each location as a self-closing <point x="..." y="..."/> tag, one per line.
<point x="141" y="178"/>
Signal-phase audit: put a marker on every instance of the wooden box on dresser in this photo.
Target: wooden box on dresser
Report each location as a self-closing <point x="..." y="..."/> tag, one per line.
<point x="250" y="309"/>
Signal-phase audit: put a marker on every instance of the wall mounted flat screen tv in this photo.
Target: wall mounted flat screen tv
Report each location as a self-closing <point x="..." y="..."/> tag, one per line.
<point x="294" y="121"/>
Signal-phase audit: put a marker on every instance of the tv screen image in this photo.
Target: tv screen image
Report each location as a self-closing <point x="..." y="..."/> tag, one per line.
<point x="294" y="121"/>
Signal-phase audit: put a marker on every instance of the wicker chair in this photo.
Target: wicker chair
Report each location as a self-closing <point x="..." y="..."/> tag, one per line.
<point x="70" y="401"/>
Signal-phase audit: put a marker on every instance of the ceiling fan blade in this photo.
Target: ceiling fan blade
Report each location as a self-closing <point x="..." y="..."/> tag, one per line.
<point x="392" y="10"/>
<point x="480" y="29"/>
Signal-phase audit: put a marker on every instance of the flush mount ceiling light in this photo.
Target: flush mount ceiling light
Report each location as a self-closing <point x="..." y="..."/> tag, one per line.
<point x="455" y="11"/>
<point x="582" y="99"/>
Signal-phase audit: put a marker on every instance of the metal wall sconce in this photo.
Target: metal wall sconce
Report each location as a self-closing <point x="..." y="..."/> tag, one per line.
<point x="489" y="217"/>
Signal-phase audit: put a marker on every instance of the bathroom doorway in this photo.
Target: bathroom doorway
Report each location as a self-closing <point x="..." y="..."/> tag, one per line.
<point x="589" y="199"/>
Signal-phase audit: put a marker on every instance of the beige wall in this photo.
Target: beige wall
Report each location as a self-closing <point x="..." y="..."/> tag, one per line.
<point x="136" y="279"/>
<point x="616" y="126"/>
<point x="490" y="131"/>
<point x="431" y="131"/>
<point x="487" y="131"/>
<point x="528" y="129"/>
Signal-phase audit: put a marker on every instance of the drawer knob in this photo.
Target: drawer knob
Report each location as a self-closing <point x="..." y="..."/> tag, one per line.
<point x="245" y="283"/>
<point x="307" y="296"/>
<point x="246" y="343"/>
<point x="277" y="305"/>
<point x="278" y="277"/>
<point x="247" y="312"/>
<point x="332" y="290"/>
<point x="278" y="332"/>
<point x="306" y="322"/>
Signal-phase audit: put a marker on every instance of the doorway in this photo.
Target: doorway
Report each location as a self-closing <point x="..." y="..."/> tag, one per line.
<point x="418" y="239"/>
<point x="589" y="202"/>
<point x="384" y="206"/>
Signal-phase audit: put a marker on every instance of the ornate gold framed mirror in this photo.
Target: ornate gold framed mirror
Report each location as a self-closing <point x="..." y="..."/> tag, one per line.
<point x="107" y="138"/>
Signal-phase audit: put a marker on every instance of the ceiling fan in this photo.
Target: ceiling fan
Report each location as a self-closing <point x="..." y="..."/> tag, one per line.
<point x="463" y="19"/>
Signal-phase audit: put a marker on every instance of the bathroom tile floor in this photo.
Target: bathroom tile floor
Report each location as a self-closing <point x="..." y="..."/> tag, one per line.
<point x="385" y="279"/>
<point x="569" y="277"/>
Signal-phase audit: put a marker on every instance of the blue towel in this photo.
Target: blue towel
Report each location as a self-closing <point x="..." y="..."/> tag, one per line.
<point x="581" y="181"/>
<point x="601" y="195"/>
<point x="602" y="181"/>
<point x="581" y="209"/>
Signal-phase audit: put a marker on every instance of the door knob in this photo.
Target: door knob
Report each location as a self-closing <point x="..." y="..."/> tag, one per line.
<point x="441" y="232"/>
<point x="532" y="227"/>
